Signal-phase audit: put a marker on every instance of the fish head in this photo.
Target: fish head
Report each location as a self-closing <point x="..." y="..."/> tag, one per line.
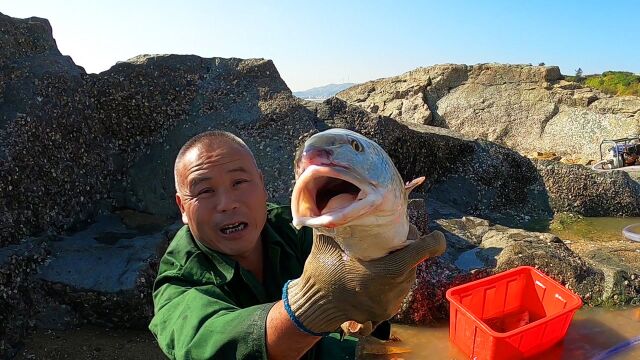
<point x="341" y="176"/>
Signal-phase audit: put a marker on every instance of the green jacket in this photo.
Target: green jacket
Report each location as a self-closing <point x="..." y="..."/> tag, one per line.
<point x="208" y="307"/>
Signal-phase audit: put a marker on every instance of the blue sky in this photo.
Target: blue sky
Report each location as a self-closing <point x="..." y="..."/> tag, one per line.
<point x="321" y="42"/>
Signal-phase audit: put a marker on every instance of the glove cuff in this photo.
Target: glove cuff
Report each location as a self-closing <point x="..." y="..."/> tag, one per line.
<point x="309" y="310"/>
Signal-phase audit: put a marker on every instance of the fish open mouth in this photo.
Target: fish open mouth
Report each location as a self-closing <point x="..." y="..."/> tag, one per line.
<point x="339" y="192"/>
<point x="328" y="196"/>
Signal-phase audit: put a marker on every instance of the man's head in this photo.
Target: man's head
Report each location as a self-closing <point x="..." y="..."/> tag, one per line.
<point x="220" y="192"/>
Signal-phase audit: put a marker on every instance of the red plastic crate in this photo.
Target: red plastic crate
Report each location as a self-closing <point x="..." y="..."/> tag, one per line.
<point x="511" y="315"/>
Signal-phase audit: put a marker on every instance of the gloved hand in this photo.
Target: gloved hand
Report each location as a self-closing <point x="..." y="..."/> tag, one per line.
<point x="335" y="288"/>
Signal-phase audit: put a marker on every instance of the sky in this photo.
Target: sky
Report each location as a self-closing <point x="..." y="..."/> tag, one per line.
<point x="314" y="43"/>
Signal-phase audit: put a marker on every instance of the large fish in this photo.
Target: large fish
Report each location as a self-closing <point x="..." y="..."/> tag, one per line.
<point x="348" y="188"/>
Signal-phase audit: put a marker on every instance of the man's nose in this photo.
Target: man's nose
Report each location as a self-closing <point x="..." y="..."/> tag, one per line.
<point x="227" y="202"/>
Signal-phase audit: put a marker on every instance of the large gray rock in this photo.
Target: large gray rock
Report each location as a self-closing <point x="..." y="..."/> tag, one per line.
<point x="19" y="295"/>
<point x="105" y="272"/>
<point x="75" y="141"/>
<point x="528" y="108"/>
<point x="44" y="136"/>
<point x="578" y="189"/>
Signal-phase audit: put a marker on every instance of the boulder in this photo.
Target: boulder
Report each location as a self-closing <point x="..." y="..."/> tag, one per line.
<point x="105" y="272"/>
<point x="527" y="108"/>
<point x="578" y="189"/>
<point x="19" y="295"/>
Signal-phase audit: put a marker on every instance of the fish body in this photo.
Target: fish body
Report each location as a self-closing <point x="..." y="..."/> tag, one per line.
<point x="348" y="188"/>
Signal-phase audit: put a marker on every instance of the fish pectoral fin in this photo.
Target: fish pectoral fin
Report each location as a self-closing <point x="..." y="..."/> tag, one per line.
<point x="410" y="185"/>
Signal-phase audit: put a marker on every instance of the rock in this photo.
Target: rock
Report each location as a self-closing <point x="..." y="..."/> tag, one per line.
<point x="619" y="261"/>
<point x="580" y="190"/>
<point x="407" y="98"/>
<point x="19" y="295"/>
<point x="505" y="249"/>
<point x="427" y="304"/>
<point x="417" y="212"/>
<point x="106" y="271"/>
<point x="524" y="107"/>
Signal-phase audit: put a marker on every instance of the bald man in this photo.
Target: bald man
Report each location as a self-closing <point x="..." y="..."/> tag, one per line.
<point x="223" y="289"/>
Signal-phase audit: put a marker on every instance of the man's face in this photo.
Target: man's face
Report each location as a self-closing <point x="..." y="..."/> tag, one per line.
<point x="222" y="197"/>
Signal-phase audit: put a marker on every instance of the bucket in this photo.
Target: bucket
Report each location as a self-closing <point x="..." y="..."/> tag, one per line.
<point x="515" y="314"/>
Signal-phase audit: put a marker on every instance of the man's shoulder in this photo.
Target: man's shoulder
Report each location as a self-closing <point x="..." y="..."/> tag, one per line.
<point x="279" y="220"/>
<point x="280" y="214"/>
<point x="182" y="248"/>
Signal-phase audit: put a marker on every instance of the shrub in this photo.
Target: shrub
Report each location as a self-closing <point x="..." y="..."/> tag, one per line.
<point x="615" y="83"/>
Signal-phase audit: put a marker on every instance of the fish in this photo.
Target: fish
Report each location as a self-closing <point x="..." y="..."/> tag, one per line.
<point x="509" y="322"/>
<point x="348" y="188"/>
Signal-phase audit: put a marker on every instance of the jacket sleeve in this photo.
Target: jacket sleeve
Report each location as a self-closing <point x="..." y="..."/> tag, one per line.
<point x="198" y="321"/>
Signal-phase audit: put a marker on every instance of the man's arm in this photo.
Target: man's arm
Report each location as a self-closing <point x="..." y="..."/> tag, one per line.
<point x="202" y="323"/>
<point x="284" y="340"/>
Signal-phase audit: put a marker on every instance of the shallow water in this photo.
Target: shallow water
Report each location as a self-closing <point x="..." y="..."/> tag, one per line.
<point x="604" y="229"/>
<point x="587" y="229"/>
<point x="592" y="331"/>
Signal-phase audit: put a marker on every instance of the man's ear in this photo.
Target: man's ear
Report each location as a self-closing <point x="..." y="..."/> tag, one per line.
<point x="185" y="219"/>
<point x="264" y="187"/>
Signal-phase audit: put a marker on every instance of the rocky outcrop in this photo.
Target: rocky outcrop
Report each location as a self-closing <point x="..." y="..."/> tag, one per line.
<point x="73" y="144"/>
<point x="105" y="272"/>
<point x="19" y="294"/>
<point x="580" y="190"/>
<point x="527" y="108"/>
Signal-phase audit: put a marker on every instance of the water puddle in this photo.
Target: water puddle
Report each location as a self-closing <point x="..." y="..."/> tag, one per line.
<point x="592" y="331"/>
<point x="597" y="229"/>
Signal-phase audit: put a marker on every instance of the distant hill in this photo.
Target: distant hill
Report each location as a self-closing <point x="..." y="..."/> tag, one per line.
<point x="322" y="92"/>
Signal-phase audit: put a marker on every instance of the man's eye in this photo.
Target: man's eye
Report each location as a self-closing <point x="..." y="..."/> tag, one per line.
<point x="206" y="191"/>
<point x="241" y="181"/>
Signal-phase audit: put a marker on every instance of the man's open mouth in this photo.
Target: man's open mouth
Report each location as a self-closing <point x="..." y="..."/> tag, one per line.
<point x="234" y="227"/>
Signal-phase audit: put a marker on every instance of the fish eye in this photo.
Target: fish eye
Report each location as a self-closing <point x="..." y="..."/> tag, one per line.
<point x="355" y="144"/>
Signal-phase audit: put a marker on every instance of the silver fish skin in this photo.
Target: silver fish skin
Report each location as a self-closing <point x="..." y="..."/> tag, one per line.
<point x="348" y="188"/>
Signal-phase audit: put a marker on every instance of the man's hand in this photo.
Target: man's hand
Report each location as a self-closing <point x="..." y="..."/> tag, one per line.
<point x="335" y="288"/>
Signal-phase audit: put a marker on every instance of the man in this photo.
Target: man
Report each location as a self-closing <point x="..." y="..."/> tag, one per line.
<point x="221" y="284"/>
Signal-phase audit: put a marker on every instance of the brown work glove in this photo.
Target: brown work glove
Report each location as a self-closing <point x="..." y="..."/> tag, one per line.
<point x="335" y="288"/>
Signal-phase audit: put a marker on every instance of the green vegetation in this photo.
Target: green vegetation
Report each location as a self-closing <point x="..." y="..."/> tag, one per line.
<point x="563" y="220"/>
<point x="610" y="82"/>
